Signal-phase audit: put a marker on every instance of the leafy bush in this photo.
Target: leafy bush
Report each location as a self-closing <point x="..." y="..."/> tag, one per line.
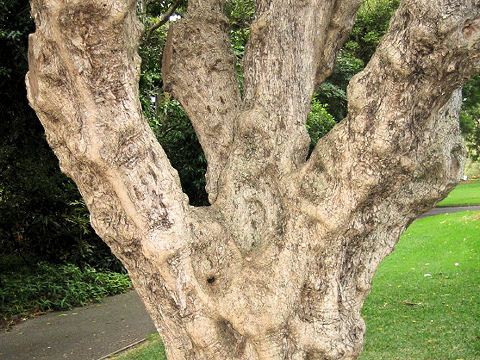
<point x="49" y="287"/>
<point x="334" y="90"/>
<point x="373" y="19"/>
<point x="319" y="122"/>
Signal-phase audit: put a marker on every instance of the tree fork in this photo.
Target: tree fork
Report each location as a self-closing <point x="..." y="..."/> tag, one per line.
<point x="278" y="267"/>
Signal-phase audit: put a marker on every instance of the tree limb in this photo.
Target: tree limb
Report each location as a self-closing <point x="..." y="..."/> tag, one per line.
<point x="99" y="133"/>
<point x="399" y="150"/>
<point x="291" y="48"/>
<point x="164" y="19"/>
<point x="198" y="68"/>
<point x="411" y="76"/>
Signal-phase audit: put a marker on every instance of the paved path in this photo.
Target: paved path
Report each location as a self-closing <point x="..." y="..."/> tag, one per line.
<point x="449" y="209"/>
<point x="85" y="333"/>
<point x="91" y="332"/>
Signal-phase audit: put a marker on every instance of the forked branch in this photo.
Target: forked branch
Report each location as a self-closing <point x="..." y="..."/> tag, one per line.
<point x="290" y="50"/>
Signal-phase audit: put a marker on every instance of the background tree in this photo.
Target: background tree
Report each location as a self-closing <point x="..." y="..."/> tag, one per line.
<point x="470" y="117"/>
<point x="279" y="265"/>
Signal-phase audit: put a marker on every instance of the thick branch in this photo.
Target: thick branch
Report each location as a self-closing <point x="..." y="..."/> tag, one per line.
<point x="399" y="151"/>
<point x="291" y="48"/>
<point x="83" y="84"/>
<point x="340" y="24"/>
<point x="439" y="166"/>
<point x="199" y="69"/>
<point x="418" y="65"/>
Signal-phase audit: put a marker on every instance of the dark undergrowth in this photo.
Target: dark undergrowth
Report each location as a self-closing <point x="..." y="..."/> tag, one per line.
<point x="26" y="291"/>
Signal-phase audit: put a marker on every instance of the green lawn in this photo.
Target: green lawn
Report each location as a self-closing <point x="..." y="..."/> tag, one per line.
<point x="464" y="194"/>
<point x="445" y="323"/>
<point x="152" y="349"/>
<point x="425" y="301"/>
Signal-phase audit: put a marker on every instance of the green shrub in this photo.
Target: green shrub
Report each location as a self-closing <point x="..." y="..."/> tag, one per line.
<point x="319" y="122"/>
<point x="50" y="287"/>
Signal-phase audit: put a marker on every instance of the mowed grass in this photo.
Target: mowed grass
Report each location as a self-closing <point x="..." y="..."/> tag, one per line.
<point x="152" y="349"/>
<point x="464" y="194"/>
<point x="425" y="300"/>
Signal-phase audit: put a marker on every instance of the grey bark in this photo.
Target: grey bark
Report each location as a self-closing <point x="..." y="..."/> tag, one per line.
<point x="278" y="267"/>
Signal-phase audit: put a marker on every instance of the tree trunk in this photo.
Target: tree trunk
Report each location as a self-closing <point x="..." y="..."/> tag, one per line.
<point x="279" y="265"/>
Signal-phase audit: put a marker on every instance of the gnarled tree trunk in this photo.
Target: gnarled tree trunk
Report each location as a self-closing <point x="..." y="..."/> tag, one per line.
<point x="279" y="265"/>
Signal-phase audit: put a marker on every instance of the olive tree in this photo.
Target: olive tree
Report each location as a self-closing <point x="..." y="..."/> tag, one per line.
<point x="280" y="263"/>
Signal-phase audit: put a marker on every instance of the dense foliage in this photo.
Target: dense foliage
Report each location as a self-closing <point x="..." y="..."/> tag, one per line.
<point x="26" y="291"/>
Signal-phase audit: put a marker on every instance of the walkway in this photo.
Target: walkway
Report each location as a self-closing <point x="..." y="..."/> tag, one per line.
<point x="449" y="209"/>
<point x="86" y="333"/>
<point x="91" y="332"/>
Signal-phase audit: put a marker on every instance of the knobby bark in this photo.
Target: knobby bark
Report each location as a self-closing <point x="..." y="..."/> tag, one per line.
<point x="279" y="265"/>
